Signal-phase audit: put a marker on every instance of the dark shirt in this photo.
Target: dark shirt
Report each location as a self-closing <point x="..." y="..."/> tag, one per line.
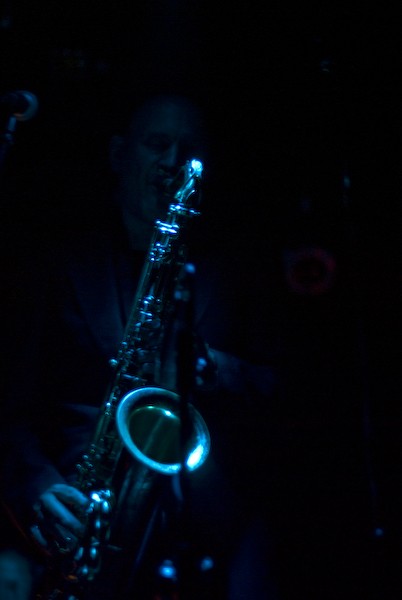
<point x="80" y="297"/>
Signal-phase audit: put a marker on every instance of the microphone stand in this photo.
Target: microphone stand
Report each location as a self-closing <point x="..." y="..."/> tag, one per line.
<point x="7" y="140"/>
<point x="185" y="380"/>
<point x="18" y="106"/>
<point x="175" y="576"/>
<point x="186" y="371"/>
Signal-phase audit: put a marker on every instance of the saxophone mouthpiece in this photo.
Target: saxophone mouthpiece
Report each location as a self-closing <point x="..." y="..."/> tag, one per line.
<point x="197" y="167"/>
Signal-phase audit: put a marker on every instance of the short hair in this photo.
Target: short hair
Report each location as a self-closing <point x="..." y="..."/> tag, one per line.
<point x="135" y="116"/>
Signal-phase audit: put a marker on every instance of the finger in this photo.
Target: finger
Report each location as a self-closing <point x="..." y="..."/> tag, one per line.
<point x="55" y="511"/>
<point x="69" y="495"/>
<point x="51" y="536"/>
<point x="38" y="536"/>
<point x="65" y="540"/>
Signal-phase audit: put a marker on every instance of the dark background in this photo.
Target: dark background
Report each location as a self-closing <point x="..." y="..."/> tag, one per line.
<point x="302" y="196"/>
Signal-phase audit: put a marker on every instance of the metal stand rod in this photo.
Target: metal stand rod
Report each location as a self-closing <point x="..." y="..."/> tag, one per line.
<point x="6" y="141"/>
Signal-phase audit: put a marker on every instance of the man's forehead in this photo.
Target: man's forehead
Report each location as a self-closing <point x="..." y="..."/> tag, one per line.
<point x="169" y="118"/>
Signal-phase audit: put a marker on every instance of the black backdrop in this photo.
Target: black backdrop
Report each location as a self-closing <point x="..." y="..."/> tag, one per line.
<point x="303" y="195"/>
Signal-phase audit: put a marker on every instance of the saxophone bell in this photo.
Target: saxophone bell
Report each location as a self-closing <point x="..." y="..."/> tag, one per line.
<point x="150" y="424"/>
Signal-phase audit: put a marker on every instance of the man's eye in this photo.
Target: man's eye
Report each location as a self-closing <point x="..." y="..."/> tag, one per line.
<point x="156" y="143"/>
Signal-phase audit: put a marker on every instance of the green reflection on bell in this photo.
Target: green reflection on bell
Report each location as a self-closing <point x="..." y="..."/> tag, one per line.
<point x="149" y="422"/>
<point x="157" y="433"/>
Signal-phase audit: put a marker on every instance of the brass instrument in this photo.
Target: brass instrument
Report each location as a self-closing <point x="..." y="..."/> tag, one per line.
<point x="141" y="417"/>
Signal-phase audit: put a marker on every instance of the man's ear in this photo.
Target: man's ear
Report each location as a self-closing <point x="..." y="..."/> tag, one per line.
<point x="116" y="153"/>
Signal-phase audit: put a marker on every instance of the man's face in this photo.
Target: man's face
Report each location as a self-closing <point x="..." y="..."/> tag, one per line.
<point x="161" y="139"/>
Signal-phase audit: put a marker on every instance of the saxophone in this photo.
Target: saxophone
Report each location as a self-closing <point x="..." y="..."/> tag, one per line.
<point x="141" y="417"/>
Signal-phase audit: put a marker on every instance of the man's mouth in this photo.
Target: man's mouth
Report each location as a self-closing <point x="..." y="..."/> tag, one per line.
<point x="161" y="182"/>
<point x="166" y="182"/>
<point x="165" y="189"/>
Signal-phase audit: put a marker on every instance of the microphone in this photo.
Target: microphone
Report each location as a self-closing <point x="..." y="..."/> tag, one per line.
<point x="20" y="104"/>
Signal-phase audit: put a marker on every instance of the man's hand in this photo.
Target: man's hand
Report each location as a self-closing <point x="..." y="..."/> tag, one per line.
<point x="59" y="514"/>
<point x="205" y="367"/>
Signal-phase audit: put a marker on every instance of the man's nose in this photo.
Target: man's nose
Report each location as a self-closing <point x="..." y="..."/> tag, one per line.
<point x="170" y="157"/>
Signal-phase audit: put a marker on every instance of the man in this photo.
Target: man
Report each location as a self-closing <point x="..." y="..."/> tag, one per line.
<point x="162" y="135"/>
<point x="83" y="299"/>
